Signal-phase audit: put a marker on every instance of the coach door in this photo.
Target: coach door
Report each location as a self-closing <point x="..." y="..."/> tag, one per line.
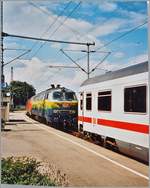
<point x="81" y="110"/>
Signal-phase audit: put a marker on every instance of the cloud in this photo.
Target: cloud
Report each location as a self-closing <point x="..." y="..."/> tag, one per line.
<point x="138" y="59"/>
<point x="131" y="61"/>
<point x="133" y="18"/>
<point x="107" y="6"/>
<point x="119" y="55"/>
<point x="108" y="27"/>
<point x="37" y="73"/>
<point x="30" y="21"/>
<point x="115" y="65"/>
<point x="33" y="71"/>
<point x="23" y="19"/>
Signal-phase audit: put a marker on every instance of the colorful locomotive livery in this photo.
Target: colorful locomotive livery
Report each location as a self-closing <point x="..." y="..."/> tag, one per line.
<point x="57" y="106"/>
<point x="114" y="106"/>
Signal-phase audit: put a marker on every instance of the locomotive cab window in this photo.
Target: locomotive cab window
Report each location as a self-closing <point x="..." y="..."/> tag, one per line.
<point x="89" y="101"/>
<point x="104" y="101"/>
<point x="69" y="96"/>
<point x="57" y="95"/>
<point x="135" y="99"/>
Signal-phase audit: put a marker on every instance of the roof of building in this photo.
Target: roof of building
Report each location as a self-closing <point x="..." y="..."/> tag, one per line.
<point x="131" y="70"/>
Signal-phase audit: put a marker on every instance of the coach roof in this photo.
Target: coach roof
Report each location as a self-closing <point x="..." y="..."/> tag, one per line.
<point x="131" y="70"/>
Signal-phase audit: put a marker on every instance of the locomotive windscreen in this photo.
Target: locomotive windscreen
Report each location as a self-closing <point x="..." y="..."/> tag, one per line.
<point x="64" y="96"/>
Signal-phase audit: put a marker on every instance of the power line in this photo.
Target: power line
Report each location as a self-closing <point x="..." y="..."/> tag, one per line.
<point x="63" y="66"/>
<point x="66" y="18"/>
<point x="19" y="49"/>
<point x="121" y="36"/>
<point x="48" y="14"/>
<point x="54" y="21"/>
<point x="72" y="60"/>
<point x="17" y="57"/>
<point x="117" y="38"/>
<point x="58" y="27"/>
<point x="71" y="67"/>
<point x="70" y="50"/>
<point x="100" y="62"/>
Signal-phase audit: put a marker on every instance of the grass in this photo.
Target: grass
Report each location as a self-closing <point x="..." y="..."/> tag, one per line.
<point x="27" y="171"/>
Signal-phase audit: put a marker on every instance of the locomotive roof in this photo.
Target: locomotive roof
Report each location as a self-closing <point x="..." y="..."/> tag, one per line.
<point x="59" y="88"/>
<point x="54" y="89"/>
<point x="131" y="70"/>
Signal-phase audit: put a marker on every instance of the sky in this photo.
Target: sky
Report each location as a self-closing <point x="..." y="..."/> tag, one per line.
<point x="78" y="21"/>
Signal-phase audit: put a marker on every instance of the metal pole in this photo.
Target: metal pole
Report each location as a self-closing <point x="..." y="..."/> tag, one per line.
<point x="47" y="40"/>
<point x="148" y="28"/>
<point x="2" y="50"/>
<point x="12" y="74"/>
<point x="88" y="60"/>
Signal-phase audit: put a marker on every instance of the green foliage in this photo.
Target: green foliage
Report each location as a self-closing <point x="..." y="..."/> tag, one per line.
<point x="23" y="171"/>
<point x="21" y="92"/>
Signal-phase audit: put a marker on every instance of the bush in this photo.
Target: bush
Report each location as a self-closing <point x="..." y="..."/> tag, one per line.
<point x="23" y="171"/>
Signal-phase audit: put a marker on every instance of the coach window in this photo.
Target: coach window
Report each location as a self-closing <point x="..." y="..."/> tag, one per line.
<point x="88" y="101"/>
<point x="104" y="101"/>
<point x="81" y="101"/>
<point x="135" y="99"/>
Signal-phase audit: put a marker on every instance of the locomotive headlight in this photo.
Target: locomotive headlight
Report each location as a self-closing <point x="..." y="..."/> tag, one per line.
<point x="55" y="111"/>
<point x="72" y="111"/>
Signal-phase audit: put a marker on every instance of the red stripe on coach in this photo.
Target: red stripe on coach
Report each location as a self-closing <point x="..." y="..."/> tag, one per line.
<point x="85" y="119"/>
<point x="124" y="125"/>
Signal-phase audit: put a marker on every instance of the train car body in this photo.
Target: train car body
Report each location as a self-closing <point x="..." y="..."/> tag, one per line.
<point x="115" y="107"/>
<point x="57" y="106"/>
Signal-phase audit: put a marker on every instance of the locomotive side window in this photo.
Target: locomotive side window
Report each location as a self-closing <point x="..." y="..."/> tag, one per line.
<point x="104" y="101"/>
<point x="89" y="101"/>
<point x="135" y="99"/>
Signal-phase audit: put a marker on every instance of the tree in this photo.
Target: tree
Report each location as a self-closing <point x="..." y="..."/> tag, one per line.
<point x="21" y="92"/>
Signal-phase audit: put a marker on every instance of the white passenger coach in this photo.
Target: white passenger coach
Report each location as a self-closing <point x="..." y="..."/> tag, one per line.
<point x="114" y="107"/>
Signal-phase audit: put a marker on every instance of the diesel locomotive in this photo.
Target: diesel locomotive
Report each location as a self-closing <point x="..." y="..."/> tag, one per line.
<point x="57" y="106"/>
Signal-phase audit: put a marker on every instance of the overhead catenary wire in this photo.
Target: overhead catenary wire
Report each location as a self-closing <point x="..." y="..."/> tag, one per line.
<point x="96" y="67"/>
<point x="63" y="66"/>
<point x="100" y="62"/>
<point x="108" y="43"/>
<point x="117" y="38"/>
<point x="72" y="60"/>
<point x="69" y="67"/>
<point x="58" y="27"/>
<point x="83" y="50"/>
<point x="123" y="35"/>
<point x="17" y="57"/>
<point x="66" y="18"/>
<point x="67" y="26"/>
<point x="19" y="49"/>
<point x="50" y="26"/>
